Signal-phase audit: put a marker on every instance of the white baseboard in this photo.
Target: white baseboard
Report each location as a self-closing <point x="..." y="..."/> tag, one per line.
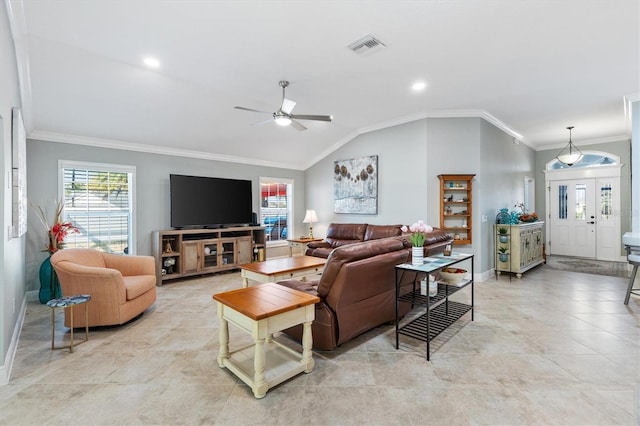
<point x="5" y="370"/>
<point x="33" y="296"/>
<point x="483" y="276"/>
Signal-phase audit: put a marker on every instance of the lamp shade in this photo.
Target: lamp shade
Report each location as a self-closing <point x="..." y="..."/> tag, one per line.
<point x="570" y="159"/>
<point x="310" y="217"/>
<point x="570" y="154"/>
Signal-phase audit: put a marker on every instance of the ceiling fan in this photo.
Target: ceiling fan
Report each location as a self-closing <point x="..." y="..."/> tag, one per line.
<point x="283" y="115"/>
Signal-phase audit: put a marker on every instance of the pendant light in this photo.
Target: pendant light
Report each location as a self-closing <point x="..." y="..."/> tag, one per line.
<point x="570" y="154"/>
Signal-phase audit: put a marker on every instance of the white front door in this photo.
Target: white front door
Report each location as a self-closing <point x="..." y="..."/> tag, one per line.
<point x="573" y="218"/>
<point x="585" y="218"/>
<point x="608" y="218"/>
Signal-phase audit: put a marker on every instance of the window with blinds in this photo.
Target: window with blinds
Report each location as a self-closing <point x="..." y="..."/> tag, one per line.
<point x="275" y="208"/>
<point x="98" y="201"/>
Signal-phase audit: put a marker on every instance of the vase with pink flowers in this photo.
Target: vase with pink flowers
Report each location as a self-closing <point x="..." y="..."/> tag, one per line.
<point x="419" y="231"/>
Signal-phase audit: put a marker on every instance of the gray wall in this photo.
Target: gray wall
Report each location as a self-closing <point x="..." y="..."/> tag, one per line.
<point x="411" y="156"/>
<point x="621" y="149"/>
<point x="503" y="167"/>
<point x="12" y="265"/>
<point x="402" y="178"/>
<point x="152" y="188"/>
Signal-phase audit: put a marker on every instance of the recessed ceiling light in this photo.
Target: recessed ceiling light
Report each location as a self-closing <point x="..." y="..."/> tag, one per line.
<point x="151" y="62"/>
<point x="418" y="86"/>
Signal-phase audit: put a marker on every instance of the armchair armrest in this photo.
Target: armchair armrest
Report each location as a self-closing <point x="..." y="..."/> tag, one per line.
<point x="131" y="265"/>
<point x="319" y="244"/>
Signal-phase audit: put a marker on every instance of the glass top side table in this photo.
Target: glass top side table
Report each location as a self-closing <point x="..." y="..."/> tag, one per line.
<point x="440" y="312"/>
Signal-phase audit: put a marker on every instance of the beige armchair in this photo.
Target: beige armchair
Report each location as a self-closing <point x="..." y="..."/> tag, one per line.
<point x="121" y="287"/>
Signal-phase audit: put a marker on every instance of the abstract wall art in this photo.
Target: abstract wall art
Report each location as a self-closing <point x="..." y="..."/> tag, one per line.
<point x="355" y="185"/>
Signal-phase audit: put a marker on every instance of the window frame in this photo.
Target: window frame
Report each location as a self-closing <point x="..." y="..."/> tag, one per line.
<point x="106" y="167"/>
<point x="263" y="180"/>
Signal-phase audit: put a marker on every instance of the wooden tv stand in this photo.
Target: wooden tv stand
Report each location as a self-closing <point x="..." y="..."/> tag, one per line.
<point x="182" y="253"/>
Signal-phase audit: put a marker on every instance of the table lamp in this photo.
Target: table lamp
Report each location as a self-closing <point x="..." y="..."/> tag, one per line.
<point x="310" y="217"/>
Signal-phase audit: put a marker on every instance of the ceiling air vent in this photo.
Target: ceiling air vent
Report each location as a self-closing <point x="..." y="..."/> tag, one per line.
<point x="367" y="45"/>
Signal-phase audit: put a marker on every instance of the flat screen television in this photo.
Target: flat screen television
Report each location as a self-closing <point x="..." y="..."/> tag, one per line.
<point x="208" y="202"/>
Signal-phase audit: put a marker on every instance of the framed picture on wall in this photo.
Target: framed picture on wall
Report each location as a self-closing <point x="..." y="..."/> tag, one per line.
<point x="355" y="185"/>
<point x="18" y="174"/>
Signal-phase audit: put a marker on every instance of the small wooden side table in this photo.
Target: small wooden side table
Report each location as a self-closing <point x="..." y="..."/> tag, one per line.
<point x="300" y="243"/>
<point x="262" y="310"/>
<point x="69" y="302"/>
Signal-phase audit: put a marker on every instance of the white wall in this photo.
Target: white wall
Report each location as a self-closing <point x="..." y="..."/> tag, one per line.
<point x="12" y="265"/>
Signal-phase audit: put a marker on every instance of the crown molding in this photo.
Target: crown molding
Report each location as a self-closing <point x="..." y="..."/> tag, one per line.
<point x="445" y="114"/>
<point x="419" y="116"/>
<point x="634" y="97"/>
<point x="136" y="147"/>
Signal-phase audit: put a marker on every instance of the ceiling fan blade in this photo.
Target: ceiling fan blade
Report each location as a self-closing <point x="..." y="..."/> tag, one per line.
<point x="287" y="106"/>
<point x="259" y="123"/>
<point x="297" y="125"/>
<point x="312" y="117"/>
<point x="251" y="109"/>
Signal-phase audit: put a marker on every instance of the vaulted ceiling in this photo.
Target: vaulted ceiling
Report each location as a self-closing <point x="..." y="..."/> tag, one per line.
<point x="532" y="67"/>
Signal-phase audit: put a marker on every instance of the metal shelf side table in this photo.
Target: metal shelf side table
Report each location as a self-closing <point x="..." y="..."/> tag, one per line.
<point x="440" y="312"/>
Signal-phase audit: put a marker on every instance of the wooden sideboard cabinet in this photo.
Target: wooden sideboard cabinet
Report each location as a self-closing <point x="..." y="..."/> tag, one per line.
<point x="181" y="253"/>
<point x="520" y="248"/>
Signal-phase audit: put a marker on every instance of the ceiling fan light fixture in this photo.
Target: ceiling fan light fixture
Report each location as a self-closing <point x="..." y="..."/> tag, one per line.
<point x="282" y="120"/>
<point x="284" y="117"/>
<point x="570" y="154"/>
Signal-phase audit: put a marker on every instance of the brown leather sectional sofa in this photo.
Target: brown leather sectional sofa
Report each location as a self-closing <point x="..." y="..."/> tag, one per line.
<point x="356" y="290"/>
<point x="340" y="234"/>
<point x="357" y="287"/>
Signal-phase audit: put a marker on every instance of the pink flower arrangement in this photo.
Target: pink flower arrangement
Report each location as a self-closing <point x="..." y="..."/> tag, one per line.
<point x="419" y="230"/>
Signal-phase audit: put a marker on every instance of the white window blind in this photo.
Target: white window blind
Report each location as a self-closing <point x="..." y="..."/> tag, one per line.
<point x="98" y="201"/>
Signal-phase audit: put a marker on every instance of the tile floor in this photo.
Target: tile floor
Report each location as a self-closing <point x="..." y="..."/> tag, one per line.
<point x="552" y="348"/>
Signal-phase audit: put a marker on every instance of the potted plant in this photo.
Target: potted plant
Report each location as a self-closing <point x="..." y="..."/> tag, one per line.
<point x="503" y="255"/>
<point x="419" y="230"/>
<point x="503" y="234"/>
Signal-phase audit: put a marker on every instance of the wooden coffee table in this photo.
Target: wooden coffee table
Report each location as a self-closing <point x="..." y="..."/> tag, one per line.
<point x="281" y="269"/>
<point x="262" y="310"/>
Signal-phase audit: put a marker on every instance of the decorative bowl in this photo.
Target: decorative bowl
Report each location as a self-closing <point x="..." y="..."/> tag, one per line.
<point x="453" y="275"/>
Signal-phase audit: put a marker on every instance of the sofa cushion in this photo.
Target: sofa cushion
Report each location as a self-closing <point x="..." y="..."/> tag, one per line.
<point x="375" y="232"/>
<point x="339" y="234"/>
<point x="436" y="236"/>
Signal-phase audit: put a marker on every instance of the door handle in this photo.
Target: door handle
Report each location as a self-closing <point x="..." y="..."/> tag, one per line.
<point x="591" y="223"/>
